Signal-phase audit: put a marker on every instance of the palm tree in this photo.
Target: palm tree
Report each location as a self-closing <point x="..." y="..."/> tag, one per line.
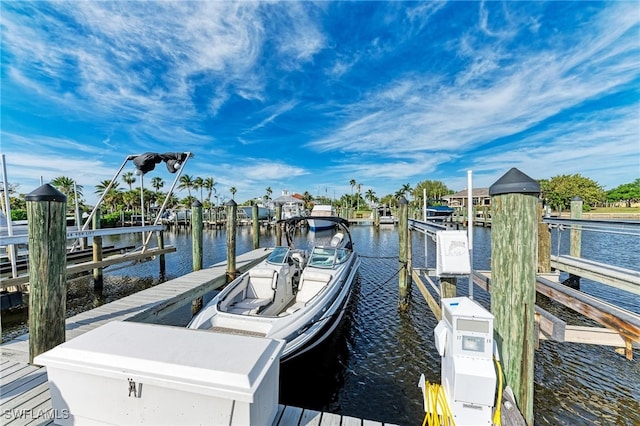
<point x="233" y="191"/>
<point x="66" y="185"/>
<point x="269" y="191"/>
<point x="103" y="185"/>
<point x="210" y="185"/>
<point x="370" y="195"/>
<point x="173" y="200"/>
<point x="129" y="179"/>
<point x="406" y="189"/>
<point x="197" y="184"/>
<point x="157" y="183"/>
<point x="186" y="182"/>
<point x="131" y="198"/>
<point x="352" y="182"/>
<point x="110" y="198"/>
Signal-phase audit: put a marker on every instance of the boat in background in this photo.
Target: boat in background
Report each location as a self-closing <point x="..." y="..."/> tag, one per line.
<point x="295" y="295"/>
<point x="385" y="216"/>
<point x="263" y="212"/>
<point x="438" y="213"/>
<point x="317" y="220"/>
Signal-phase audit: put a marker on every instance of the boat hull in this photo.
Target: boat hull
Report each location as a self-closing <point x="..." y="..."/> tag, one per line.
<point x="329" y="321"/>
<point x="320" y="225"/>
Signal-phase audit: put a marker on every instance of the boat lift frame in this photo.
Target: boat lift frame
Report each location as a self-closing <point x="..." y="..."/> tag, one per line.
<point x="180" y="161"/>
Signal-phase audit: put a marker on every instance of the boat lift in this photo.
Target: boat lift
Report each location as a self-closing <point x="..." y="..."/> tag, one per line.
<point x="175" y="162"/>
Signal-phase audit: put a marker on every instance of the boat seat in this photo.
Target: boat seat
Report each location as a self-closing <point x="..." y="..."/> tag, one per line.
<point x="311" y="283"/>
<point x="299" y="257"/>
<point x="337" y="239"/>
<point x="261" y="291"/>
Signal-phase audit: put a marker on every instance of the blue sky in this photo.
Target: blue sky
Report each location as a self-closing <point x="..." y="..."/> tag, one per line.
<point x="307" y="96"/>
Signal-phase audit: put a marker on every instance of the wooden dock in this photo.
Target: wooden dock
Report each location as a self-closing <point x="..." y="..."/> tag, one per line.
<point x="24" y="390"/>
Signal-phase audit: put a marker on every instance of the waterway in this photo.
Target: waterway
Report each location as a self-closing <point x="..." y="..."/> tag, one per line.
<point x="370" y="368"/>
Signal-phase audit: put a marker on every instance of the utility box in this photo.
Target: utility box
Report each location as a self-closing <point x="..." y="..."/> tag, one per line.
<point x="452" y="253"/>
<point x="464" y="339"/>
<point x="132" y="373"/>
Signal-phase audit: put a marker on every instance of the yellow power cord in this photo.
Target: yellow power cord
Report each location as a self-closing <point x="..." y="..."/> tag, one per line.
<point x="497" y="416"/>
<point x="436" y="398"/>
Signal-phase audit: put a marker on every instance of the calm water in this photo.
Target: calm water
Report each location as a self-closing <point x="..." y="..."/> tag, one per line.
<point x="371" y="366"/>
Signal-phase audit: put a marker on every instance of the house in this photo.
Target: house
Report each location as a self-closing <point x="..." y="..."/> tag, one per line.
<point x="480" y="198"/>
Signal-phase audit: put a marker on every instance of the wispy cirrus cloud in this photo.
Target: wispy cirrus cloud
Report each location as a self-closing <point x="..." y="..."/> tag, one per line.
<point x="316" y="94"/>
<point x="491" y="99"/>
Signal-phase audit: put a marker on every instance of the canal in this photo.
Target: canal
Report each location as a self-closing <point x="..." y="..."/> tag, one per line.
<point x="371" y="366"/>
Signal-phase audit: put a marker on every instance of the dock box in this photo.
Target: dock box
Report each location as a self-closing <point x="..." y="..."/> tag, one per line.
<point x="452" y="253"/>
<point x="131" y="373"/>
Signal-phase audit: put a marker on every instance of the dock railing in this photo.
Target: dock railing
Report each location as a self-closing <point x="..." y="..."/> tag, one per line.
<point x="621" y="327"/>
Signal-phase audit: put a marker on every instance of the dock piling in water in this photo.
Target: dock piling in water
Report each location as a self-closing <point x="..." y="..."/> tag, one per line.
<point x="255" y="222"/>
<point x="196" y="242"/>
<point x="404" y="290"/>
<point x="514" y="235"/>
<point x="278" y="225"/>
<point x="46" y="213"/>
<point x="544" y="243"/>
<point x="196" y="234"/>
<point x="96" y="244"/>
<point x="232" y="211"/>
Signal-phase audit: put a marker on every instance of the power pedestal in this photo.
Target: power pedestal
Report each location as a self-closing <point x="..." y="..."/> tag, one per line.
<point x="464" y="339"/>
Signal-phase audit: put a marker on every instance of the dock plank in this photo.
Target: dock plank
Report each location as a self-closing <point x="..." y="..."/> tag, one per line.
<point x="330" y="419"/>
<point x="310" y="418"/>
<point x="21" y="385"/>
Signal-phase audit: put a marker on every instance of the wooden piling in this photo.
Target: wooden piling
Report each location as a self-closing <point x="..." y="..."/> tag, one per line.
<point x="544" y="243"/>
<point x="162" y="261"/>
<point x="514" y="234"/>
<point x="46" y="215"/>
<point x="278" y="225"/>
<point x="96" y="244"/>
<point x="448" y="287"/>
<point x="576" y="230"/>
<point x="255" y="222"/>
<point x="196" y="234"/>
<point x="196" y="244"/>
<point x="232" y="211"/>
<point x="404" y="291"/>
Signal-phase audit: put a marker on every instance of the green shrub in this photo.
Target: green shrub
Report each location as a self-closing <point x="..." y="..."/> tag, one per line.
<point x="109" y="220"/>
<point x="18" y="215"/>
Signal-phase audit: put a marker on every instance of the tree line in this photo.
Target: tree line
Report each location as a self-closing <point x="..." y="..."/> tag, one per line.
<point x="556" y="193"/>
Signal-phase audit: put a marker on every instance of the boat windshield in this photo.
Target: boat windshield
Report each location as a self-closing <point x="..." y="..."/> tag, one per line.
<point x="322" y="257"/>
<point x="278" y="255"/>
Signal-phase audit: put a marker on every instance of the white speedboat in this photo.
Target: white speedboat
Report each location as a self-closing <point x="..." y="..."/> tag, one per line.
<point x="294" y="295"/>
<point x="318" y="219"/>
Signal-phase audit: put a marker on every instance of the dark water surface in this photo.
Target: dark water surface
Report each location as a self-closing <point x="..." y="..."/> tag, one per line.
<point x="370" y="368"/>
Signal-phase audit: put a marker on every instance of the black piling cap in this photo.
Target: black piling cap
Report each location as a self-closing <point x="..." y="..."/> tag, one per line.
<point x="231" y="203"/>
<point x="46" y="192"/>
<point x="196" y="203"/>
<point x="402" y="200"/>
<point x="514" y="182"/>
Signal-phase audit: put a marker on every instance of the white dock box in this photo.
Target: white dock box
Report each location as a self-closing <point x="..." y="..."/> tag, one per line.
<point x="452" y="253"/>
<point x="127" y="373"/>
